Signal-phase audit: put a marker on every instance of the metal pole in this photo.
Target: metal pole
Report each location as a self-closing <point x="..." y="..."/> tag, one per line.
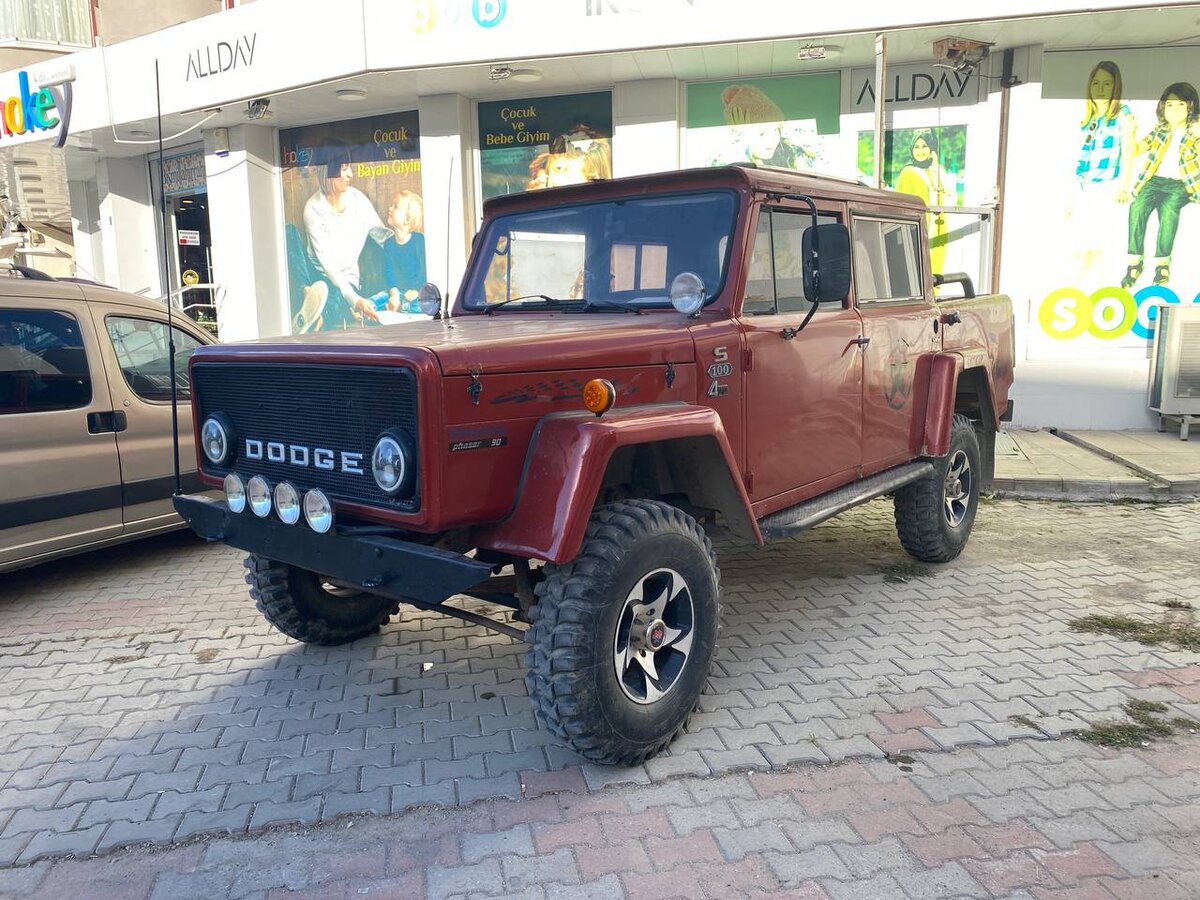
<point x="162" y="206"/>
<point x="880" y="103"/>
<point x="1006" y="83"/>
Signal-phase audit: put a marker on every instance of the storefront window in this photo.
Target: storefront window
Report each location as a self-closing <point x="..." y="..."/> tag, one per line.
<point x="544" y="142"/>
<point x="354" y="221"/>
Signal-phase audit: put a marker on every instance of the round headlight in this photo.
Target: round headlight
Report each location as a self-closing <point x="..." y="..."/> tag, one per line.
<point x="687" y="293"/>
<point x="235" y="493"/>
<point x="429" y="299"/>
<point x="259" y="493"/>
<point x="390" y="463"/>
<point x="318" y="511"/>
<point x="287" y="503"/>
<point x="216" y="439"/>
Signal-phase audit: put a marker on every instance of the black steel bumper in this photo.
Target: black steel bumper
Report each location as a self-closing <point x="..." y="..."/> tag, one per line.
<point x="382" y="565"/>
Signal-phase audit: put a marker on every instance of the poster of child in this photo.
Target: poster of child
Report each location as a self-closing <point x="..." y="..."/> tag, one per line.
<point x="790" y="121"/>
<point x="404" y="252"/>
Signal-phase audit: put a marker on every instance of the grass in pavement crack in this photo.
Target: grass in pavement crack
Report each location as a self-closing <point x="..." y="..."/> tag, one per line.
<point x="1181" y="634"/>
<point x="1144" y="726"/>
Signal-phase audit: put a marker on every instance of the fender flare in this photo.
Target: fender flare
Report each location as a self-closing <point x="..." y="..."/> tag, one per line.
<point x="565" y="469"/>
<point x="945" y="371"/>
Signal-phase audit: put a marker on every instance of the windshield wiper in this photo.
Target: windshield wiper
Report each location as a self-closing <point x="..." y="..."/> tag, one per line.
<point x="612" y="305"/>
<point x="546" y="301"/>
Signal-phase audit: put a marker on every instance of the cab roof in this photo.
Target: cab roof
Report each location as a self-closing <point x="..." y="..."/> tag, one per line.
<point x="760" y="179"/>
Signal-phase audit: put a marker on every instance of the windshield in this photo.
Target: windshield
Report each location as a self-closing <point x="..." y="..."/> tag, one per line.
<point x="610" y="252"/>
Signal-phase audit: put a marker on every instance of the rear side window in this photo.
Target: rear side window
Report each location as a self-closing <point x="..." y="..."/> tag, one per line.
<point x="145" y="359"/>
<point x="886" y="260"/>
<point x="43" y="363"/>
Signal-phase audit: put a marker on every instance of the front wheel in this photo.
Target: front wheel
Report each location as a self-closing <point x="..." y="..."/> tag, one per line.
<point x="934" y="516"/>
<point x="623" y="636"/>
<point x="309" y="608"/>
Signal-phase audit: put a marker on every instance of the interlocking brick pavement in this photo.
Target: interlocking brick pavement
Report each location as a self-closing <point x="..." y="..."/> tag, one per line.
<point x="145" y="699"/>
<point x="632" y="841"/>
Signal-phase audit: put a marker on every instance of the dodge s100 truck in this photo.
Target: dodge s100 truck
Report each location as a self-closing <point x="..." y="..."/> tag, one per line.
<point x="628" y="367"/>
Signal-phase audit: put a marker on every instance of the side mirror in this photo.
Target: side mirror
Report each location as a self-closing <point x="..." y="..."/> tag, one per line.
<point x="827" y="278"/>
<point x="429" y="299"/>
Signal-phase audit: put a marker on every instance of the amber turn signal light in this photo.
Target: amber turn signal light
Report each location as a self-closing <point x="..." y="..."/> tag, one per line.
<point x="599" y="395"/>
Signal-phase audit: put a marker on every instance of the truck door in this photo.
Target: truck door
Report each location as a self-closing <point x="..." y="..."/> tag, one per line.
<point x="60" y="483"/>
<point x="899" y="323"/>
<point x="135" y="344"/>
<point x="803" y="396"/>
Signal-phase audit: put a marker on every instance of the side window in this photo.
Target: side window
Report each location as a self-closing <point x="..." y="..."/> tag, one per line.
<point x="886" y="261"/>
<point x="43" y="363"/>
<point x="775" y="280"/>
<point x="144" y="357"/>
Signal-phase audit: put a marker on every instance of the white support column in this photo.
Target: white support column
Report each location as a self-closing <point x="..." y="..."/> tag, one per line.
<point x="129" y="244"/>
<point x="85" y="229"/>
<point x="645" y="127"/>
<point x="447" y="186"/>
<point x="245" y="210"/>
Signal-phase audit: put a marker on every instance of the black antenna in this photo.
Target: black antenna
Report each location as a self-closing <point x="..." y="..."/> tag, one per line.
<point x="162" y="206"/>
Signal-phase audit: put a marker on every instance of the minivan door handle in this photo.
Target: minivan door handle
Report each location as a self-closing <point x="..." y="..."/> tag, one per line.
<point x="112" y="420"/>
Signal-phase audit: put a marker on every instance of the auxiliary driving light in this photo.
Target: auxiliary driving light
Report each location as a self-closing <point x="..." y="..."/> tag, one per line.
<point x="235" y="493"/>
<point x="318" y="511"/>
<point x="215" y="439"/>
<point x="287" y="503"/>
<point x="599" y="395"/>
<point x="259" y="493"/>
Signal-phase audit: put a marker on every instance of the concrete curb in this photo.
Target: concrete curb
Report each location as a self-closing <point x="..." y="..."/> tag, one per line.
<point x="1094" y="490"/>
<point x="1176" y="490"/>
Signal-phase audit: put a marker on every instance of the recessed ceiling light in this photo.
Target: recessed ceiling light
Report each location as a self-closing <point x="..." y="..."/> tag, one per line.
<point x="503" y="73"/>
<point x="818" y="51"/>
<point x="351" y="95"/>
<point x="139" y="133"/>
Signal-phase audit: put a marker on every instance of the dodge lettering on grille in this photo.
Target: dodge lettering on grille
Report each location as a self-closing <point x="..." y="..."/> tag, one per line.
<point x="299" y="455"/>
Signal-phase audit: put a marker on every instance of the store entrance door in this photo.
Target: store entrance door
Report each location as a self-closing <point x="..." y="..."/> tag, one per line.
<point x="194" y="248"/>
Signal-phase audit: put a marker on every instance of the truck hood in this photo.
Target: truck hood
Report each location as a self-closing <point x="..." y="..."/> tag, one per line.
<point x="511" y="341"/>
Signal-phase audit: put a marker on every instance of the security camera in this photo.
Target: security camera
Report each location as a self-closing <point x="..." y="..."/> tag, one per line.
<point x="258" y="109"/>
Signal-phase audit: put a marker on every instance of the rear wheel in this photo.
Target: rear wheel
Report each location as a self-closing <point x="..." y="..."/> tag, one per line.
<point x="623" y="636"/>
<point x="310" y="608"/>
<point x="934" y="516"/>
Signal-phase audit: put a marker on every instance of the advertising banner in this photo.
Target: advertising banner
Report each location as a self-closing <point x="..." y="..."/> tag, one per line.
<point x="790" y="121"/>
<point x="354" y="221"/>
<point x="929" y="163"/>
<point x="184" y="174"/>
<point x="1119" y="178"/>
<point x="544" y="142"/>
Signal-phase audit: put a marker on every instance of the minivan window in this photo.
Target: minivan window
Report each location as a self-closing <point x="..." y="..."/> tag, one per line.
<point x="43" y="363"/>
<point x="144" y="357"/>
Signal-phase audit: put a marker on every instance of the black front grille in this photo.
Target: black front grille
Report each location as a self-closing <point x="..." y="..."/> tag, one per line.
<point x="337" y="408"/>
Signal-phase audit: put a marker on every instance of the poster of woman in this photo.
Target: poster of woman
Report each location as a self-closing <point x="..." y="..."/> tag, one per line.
<point x="352" y="221"/>
<point x="929" y="163"/>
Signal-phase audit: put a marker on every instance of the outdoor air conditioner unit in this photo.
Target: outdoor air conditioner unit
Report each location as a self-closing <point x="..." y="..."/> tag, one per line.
<point x="1175" y="365"/>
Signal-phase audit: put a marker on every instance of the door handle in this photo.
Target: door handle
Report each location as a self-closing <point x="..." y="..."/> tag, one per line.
<point x="104" y="422"/>
<point x="861" y="340"/>
<point x="951" y="318"/>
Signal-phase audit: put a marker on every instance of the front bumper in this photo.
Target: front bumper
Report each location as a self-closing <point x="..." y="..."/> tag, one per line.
<point x="382" y="565"/>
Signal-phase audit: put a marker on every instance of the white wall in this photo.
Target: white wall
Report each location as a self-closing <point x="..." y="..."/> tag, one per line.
<point x="245" y="212"/>
<point x="447" y="186"/>
<point x="129" y="242"/>
<point x="645" y="127"/>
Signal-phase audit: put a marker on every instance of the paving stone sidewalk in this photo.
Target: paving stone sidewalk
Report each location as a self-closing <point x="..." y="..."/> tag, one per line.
<point x="1042" y="819"/>
<point x="145" y="700"/>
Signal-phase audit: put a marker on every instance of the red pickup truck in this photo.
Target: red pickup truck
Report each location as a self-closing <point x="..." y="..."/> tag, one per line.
<point x="628" y="366"/>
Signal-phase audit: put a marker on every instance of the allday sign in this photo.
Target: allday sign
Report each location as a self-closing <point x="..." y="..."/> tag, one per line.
<point x="914" y="87"/>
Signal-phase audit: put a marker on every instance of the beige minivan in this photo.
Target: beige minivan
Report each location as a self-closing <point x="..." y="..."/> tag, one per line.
<point x="85" y="418"/>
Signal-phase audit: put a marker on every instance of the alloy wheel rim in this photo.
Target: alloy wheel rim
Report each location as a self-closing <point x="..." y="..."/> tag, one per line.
<point x="654" y="635"/>
<point x="956" y="492"/>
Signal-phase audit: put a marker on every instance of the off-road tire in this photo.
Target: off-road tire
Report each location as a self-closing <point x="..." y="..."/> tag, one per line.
<point x="571" y="676"/>
<point x="922" y="523"/>
<point x="295" y="602"/>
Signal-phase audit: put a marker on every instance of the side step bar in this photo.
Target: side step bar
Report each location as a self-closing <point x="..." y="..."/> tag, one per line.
<point x="794" y="519"/>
